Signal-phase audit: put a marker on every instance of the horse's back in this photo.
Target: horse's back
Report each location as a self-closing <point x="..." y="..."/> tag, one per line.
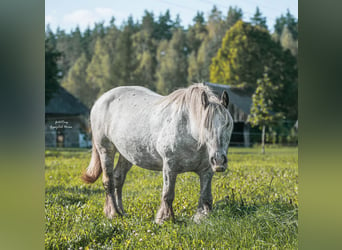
<point x="122" y="115"/>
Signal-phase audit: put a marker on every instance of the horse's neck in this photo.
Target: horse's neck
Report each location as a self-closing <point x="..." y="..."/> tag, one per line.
<point x="193" y="127"/>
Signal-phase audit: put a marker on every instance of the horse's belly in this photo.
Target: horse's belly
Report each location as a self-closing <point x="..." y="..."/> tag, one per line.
<point x="140" y="155"/>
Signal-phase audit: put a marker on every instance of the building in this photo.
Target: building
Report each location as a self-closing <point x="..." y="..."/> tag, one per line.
<point x="66" y="121"/>
<point x="239" y="107"/>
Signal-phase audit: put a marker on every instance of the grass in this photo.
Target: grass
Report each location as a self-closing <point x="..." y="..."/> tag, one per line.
<point x="255" y="205"/>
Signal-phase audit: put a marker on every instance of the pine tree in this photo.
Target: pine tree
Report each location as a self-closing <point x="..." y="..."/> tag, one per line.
<point x="52" y="75"/>
<point x="196" y="33"/>
<point x="211" y="41"/>
<point x="99" y="69"/>
<point x="124" y="61"/>
<point x="234" y="14"/>
<point x="287" y="41"/>
<point x="163" y="28"/>
<point x="258" y="19"/>
<point x="195" y="36"/>
<point x="286" y="20"/>
<point x="76" y="82"/>
<point x="144" y="47"/>
<point x="172" y="70"/>
<point x="62" y="45"/>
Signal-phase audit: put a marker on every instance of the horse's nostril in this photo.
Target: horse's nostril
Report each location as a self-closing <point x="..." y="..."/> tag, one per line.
<point x="212" y="160"/>
<point x="225" y="160"/>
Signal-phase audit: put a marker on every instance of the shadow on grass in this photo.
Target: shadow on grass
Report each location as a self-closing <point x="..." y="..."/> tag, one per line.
<point x="67" y="152"/>
<point x="70" y="196"/>
<point x="245" y="153"/>
<point x="238" y="208"/>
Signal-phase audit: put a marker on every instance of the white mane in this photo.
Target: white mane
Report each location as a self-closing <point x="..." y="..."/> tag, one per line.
<point x="189" y="100"/>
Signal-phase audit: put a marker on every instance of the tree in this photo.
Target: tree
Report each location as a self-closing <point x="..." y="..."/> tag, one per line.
<point x="163" y="28"/>
<point x="99" y="74"/>
<point x="245" y="52"/>
<point x="75" y="48"/>
<point x="195" y="36"/>
<point x="258" y="19"/>
<point x="286" y="20"/>
<point x="144" y="47"/>
<point x="196" y="33"/>
<point x="172" y="69"/>
<point x="52" y="75"/>
<point x="76" y="82"/>
<point x="262" y="113"/>
<point x="287" y="41"/>
<point x="124" y="61"/>
<point x="199" y="62"/>
<point x="234" y="14"/>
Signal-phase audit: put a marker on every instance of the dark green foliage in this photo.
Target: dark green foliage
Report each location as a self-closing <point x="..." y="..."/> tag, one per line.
<point x="163" y="27"/>
<point x="234" y="14"/>
<point x="124" y="62"/>
<point x="172" y="70"/>
<point x="51" y="68"/>
<point x="258" y="19"/>
<point x="289" y="21"/>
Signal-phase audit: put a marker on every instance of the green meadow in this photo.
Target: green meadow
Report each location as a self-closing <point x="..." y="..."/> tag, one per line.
<point x="255" y="205"/>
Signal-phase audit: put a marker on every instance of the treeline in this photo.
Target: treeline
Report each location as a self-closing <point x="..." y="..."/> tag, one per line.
<point x="161" y="54"/>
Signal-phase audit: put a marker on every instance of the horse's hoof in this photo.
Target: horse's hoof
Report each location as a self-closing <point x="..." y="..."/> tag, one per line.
<point x="159" y="221"/>
<point x="199" y="217"/>
<point x="111" y="214"/>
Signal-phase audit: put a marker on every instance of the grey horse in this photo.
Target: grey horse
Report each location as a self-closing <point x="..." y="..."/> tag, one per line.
<point x="188" y="130"/>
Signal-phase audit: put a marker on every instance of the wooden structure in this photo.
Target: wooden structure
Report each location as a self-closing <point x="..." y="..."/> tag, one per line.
<point x="66" y="121"/>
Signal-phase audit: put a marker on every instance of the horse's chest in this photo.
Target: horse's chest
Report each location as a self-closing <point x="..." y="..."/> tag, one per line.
<point x="184" y="155"/>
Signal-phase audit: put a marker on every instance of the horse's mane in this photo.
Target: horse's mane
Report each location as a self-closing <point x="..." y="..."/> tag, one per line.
<point x="189" y="99"/>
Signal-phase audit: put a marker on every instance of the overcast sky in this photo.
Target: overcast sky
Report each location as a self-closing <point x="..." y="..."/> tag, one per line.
<point x="68" y="14"/>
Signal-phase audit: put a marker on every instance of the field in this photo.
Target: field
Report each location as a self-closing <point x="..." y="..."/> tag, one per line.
<point x="255" y="205"/>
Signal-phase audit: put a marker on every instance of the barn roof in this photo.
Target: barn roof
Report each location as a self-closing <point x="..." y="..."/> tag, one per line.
<point x="237" y="97"/>
<point x="64" y="103"/>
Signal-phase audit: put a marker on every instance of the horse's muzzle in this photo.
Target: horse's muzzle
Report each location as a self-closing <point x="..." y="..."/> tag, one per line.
<point x="217" y="168"/>
<point x="219" y="162"/>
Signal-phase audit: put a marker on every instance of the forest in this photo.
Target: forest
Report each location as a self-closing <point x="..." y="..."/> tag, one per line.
<point x="159" y="53"/>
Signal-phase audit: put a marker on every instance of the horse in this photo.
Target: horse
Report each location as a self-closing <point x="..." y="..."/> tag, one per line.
<point x="186" y="131"/>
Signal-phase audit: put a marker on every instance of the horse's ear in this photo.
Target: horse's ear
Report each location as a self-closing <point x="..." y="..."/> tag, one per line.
<point x="204" y="99"/>
<point x="225" y="99"/>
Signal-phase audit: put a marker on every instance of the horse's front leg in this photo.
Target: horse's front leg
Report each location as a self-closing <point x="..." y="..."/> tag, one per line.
<point x="205" y="202"/>
<point x="165" y="211"/>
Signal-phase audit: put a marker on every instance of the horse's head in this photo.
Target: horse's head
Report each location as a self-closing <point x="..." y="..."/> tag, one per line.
<point x="217" y="129"/>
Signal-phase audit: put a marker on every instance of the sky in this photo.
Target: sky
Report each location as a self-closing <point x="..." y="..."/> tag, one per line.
<point x="68" y="14"/>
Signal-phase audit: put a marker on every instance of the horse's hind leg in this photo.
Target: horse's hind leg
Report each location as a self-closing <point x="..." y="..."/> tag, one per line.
<point x="120" y="172"/>
<point x="107" y="153"/>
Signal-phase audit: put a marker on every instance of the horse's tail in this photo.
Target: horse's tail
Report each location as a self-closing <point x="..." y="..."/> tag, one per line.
<point x="94" y="169"/>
